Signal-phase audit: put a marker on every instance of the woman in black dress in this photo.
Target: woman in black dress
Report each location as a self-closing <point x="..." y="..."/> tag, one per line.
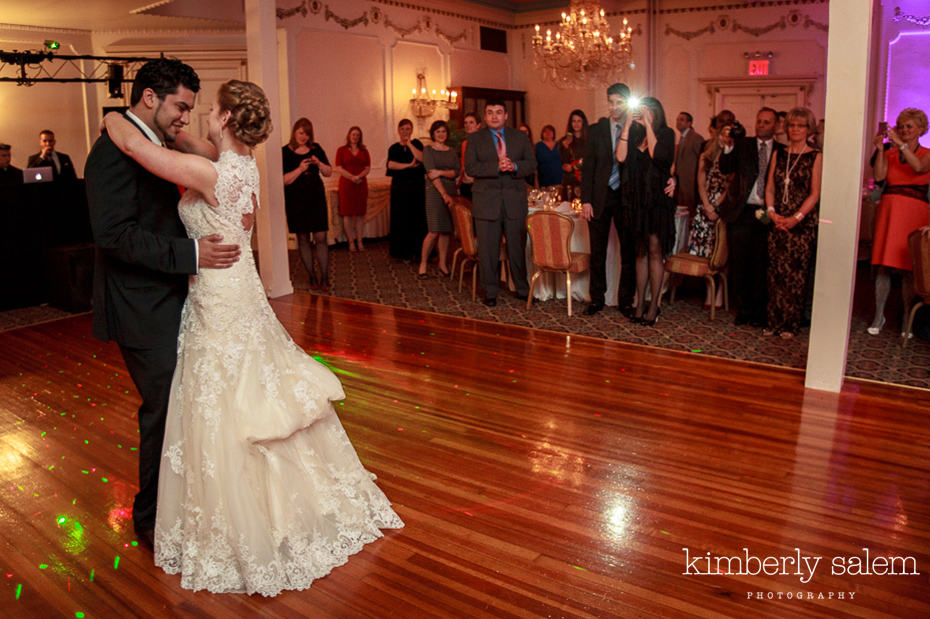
<point x="571" y="150"/>
<point x="305" y="199"/>
<point x="408" y="217"/>
<point x="647" y="150"/>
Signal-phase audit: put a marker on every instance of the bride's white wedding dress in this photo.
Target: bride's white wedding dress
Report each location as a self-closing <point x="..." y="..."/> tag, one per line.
<point x="260" y="489"/>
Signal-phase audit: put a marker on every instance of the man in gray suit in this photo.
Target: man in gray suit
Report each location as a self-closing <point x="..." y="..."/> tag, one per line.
<point x="686" y="166"/>
<point x="499" y="158"/>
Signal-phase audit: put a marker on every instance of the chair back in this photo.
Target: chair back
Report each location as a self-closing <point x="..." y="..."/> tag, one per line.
<point x="920" y="257"/>
<point x="720" y="253"/>
<point x="461" y="215"/>
<point x="551" y="236"/>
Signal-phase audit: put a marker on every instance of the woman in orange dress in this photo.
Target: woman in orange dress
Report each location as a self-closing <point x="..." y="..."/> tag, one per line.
<point x="903" y="208"/>
<point x="353" y="164"/>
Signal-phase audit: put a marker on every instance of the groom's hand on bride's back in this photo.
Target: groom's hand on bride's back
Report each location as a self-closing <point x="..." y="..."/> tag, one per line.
<point x="214" y="255"/>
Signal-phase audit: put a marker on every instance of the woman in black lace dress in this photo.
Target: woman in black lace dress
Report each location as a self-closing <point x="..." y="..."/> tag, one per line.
<point x="792" y="197"/>
<point x="647" y="150"/>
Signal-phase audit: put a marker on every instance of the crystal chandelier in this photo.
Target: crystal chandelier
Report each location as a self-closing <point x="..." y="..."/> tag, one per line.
<point x="425" y="101"/>
<point x="582" y="54"/>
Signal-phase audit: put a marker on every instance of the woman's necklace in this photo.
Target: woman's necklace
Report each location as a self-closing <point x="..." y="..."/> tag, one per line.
<point x="788" y="170"/>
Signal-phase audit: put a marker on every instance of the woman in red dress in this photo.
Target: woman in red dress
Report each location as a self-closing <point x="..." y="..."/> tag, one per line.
<point x="353" y="165"/>
<point x="903" y="207"/>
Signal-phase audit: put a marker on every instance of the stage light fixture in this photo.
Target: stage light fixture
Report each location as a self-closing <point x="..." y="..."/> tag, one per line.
<point x="53" y="45"/>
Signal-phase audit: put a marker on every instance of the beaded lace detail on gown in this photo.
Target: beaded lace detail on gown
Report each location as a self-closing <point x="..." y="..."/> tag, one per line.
<point x="260" y="489"/>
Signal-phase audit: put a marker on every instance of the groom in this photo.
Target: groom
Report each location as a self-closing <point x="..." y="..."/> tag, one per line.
<point x="143" y="260"/>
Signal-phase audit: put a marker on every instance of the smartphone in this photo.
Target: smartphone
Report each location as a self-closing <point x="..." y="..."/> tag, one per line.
<point x="883" y="127"/>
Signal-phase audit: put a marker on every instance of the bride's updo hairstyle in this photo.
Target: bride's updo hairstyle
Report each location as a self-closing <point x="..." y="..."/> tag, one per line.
<point x="250" y="122"/>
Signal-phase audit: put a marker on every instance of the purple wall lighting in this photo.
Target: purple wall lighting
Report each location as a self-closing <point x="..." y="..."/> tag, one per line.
<point x="908" y="68"/>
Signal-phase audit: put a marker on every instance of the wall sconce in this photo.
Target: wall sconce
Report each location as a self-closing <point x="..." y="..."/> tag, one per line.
<point x="425" y="101"/>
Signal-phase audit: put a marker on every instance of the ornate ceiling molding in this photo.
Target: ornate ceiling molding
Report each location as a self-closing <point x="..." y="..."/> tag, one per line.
<point x="724" y="23"/>
<point x="346" y="23"/>
<point x="375" y="14"/>
<point x="923" y="22"/>
<point x="24" y="28"/>
<point x="735" y="6"/>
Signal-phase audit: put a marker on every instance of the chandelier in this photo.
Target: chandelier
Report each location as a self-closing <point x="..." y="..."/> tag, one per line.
<point x="425" y="101"/>
<point x="582" y="54"/>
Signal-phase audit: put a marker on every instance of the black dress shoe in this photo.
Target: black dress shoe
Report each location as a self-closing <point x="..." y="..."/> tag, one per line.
<point x="742" y="319"/>
<point x="627" y="310"/>
<point x="490" y="301"/>
<point x="650" y="322"/>
<point x="593" y="308"/>
<point x="756" y="322"/>
<point x="522" y="297"/>
<point x="146" y="536"/>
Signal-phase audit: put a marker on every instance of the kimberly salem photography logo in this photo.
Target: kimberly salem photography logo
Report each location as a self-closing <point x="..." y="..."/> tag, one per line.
<point x="797" y="564"/>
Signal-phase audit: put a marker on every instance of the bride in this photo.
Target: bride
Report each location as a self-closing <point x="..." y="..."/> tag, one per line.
<point x="260" y="489"/>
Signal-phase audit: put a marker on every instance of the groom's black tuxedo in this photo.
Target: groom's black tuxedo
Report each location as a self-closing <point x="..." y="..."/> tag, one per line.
<point x="143" y="259"/>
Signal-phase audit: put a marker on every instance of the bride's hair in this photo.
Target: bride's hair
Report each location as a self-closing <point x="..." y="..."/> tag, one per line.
<point x="251" y="117"/>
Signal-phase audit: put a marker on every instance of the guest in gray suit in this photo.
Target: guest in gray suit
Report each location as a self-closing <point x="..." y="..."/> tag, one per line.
<point x="687" y="154"/>
<point x="499" y="158"/>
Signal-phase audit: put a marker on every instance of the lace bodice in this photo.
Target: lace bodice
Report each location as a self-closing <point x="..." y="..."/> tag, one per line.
<point x="237" y="181"/>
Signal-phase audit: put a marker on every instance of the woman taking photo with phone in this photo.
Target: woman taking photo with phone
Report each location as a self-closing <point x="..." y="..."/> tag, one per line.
<point x="905" y="168"/>
<point x="305" y="200"/>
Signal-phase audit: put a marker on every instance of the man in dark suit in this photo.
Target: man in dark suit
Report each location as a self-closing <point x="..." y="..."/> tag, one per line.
<point x="749" y="158"/>
<point x="601" y="203"/>
<point x="9" y="174"/>
<point x="143" y="260"/>
<point x="499" y="158"/>
<point x="687" y="155"/>
<point x="62" y="168"/>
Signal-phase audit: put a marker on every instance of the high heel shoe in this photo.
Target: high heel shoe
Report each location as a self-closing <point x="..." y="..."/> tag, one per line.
<point x="876" y="330"/>
<point x="646" y="322"/>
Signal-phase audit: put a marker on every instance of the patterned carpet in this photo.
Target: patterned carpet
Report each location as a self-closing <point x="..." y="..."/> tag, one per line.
<point x="684" y="325"/>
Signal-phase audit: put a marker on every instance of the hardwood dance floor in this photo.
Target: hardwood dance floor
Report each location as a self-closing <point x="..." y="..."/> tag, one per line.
<point x="538" y="474"/>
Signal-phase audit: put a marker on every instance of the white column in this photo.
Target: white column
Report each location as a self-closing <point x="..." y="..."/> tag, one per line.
<point x="847" y="81"/>
<point x="271" y="225"/>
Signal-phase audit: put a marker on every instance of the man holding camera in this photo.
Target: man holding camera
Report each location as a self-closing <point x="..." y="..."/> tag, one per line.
<point x="749" y="158"/>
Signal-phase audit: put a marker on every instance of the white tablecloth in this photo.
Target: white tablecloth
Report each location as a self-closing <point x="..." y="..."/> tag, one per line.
<point x="551" y="285"/>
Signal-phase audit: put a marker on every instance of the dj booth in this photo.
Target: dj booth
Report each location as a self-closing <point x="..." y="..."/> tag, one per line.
<point x="48" y="254"/>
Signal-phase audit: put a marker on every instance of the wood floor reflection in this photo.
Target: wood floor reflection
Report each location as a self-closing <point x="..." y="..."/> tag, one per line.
<point x="538" y="474"/>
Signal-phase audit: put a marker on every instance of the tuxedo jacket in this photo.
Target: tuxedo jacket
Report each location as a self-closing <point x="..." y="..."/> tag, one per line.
<point x="67" y="168"/>
<point x="493" y="189"/>
<point x="599" y="159"/>
<point x="143" y="256"/>
<point x="686" y="168"/>
<point x="743" y="161"/>
<point x="11" y="176"/>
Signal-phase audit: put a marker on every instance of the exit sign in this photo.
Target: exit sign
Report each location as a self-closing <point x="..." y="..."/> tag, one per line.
<point x="758" y="67"/>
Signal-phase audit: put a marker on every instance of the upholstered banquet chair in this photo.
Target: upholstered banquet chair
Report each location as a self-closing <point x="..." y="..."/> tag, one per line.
<point x="920" y="257"/>
<point x="465" y="227"/>
<point x="708" y="268"/>
<point x="551" y="237"/>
